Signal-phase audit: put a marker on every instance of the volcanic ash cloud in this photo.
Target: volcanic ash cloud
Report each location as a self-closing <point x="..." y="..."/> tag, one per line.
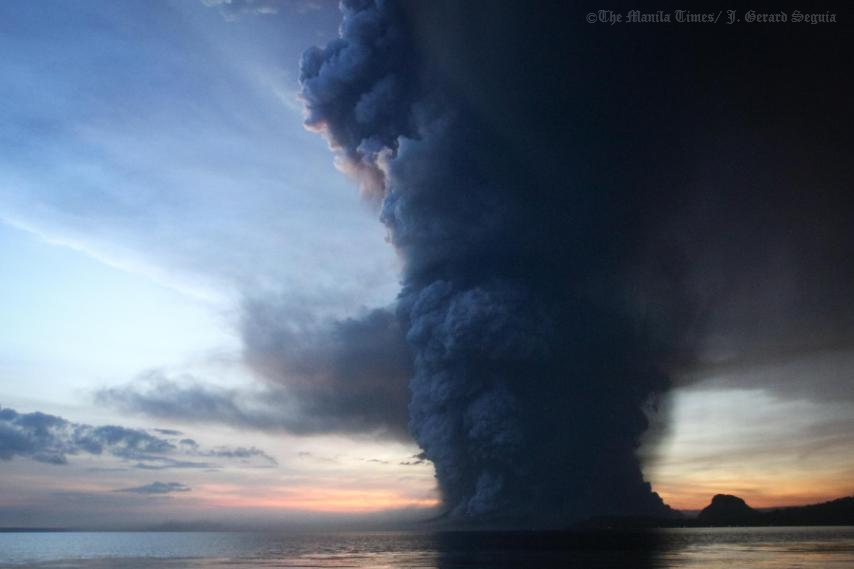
<point x="531" y="375"/>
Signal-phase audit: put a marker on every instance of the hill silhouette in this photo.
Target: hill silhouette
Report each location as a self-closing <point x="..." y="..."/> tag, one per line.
<point x="732" y="510"/>
<point x="727" y="509"/>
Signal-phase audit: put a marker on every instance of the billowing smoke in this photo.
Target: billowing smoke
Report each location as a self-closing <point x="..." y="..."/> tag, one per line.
<point x="530" y="380"/>
<point x="345" y="376"/>
<point x="529" y="166"/>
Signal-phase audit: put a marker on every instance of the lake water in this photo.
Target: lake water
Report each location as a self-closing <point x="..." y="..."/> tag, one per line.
<point x="717" y="548"/>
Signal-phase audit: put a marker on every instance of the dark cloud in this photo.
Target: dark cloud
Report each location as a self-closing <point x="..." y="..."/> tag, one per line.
<point x="164" y="463"/>
<point x="375" y="460"/>
<point x="192" y="400"/>
<point x="157" y="488"/>
<point x="354" y="86"/>
<point x="513" y="349"/>
<point x="48" y="438"/>
<point x="581" y="209"/>
<point x="823" y="375"/>
<point x="414" y="460"/>
<point x="245" y="454"/>
<point x="347" y="376"/>
<point x="156" y="395"/>
<point x="51" y="439"/>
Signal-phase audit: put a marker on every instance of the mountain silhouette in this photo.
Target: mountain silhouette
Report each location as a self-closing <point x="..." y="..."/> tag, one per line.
<point x="732" y="510"/>
<point x="727" y="509"/>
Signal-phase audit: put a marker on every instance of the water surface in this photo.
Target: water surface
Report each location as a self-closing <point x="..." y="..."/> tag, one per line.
<point x="709" y="548"/>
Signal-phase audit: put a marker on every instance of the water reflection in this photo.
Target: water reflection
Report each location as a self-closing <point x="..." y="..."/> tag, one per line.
<point x="595" y="550"/>
<point x="716" y="548"/>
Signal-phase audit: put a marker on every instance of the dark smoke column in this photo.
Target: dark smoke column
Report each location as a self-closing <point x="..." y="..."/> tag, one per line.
<point x="531" y="375"/>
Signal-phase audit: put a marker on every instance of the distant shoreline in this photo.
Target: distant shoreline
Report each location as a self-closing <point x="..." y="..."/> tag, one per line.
<point x="594" y="528"/>
<point x="723" y="511"/>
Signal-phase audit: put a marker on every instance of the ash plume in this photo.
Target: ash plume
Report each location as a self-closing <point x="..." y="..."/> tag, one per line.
<point x="538" y="176"/>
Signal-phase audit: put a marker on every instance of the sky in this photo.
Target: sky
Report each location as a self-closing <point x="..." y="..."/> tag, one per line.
<point x="185" y="273"/>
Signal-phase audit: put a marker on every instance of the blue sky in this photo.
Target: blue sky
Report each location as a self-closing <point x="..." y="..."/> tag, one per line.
<point x="154" y="177"/>
<point x="154" y="152"/>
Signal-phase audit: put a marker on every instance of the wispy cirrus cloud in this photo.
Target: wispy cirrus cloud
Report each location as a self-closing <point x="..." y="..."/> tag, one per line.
<point x="233" y="9"/>
<point x="157" y="488"/>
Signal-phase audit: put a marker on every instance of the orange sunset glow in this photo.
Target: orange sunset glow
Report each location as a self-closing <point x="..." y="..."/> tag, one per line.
<point x="752" y="444"/>
<point x="329" y="500"/>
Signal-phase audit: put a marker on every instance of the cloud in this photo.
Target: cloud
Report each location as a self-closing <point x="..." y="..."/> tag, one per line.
<point x="234" y="9"/>
<point x="242" y="454"/>
<point x="157" y="488"/>
<point x="164" y="463"/>
<point x="414" y="460"/>
<point x="823" y="375"/>
<point x="376" y="460"/>
<point x="344" y="376"/>
<point x="763" y="442"/>
<point x="51" y="439"/>
<point x="319" y="458"/>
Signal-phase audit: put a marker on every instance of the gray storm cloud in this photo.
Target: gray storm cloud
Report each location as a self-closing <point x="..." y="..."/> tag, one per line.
<point x="51" y="439"/>
<point x="341" y="376"/>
